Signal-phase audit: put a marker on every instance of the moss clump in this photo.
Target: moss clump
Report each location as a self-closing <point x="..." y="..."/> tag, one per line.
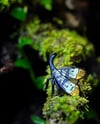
<point x="71" y="49"/>
<point x="70" y="46"/>
<point x="64" y="110"/>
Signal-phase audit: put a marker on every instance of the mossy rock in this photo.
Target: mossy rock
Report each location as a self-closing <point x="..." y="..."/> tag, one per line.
<point x="72" y="49"/>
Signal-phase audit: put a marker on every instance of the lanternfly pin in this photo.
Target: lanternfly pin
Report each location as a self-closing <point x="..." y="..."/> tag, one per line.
<point x="65" y="78"/>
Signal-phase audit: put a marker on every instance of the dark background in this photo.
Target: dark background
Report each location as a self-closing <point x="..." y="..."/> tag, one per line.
<point x="18" y="95"/>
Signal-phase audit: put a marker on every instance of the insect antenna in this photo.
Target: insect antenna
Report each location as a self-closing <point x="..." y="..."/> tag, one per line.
<point x="52" y="67"/>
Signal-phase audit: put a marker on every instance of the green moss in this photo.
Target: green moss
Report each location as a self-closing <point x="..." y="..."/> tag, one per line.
<point x="70" y="46"/>
<point x="64" y="109"/>
<point x="71" y="49"/>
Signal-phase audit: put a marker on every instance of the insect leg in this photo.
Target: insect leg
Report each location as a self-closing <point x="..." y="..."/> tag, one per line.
<point x="47" y="83"/>
<point x="55" y="87"/>
<point x="53" y="83"/>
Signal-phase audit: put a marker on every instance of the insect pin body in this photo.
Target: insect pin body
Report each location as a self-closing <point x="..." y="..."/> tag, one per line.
<point x="63" y="77"/>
